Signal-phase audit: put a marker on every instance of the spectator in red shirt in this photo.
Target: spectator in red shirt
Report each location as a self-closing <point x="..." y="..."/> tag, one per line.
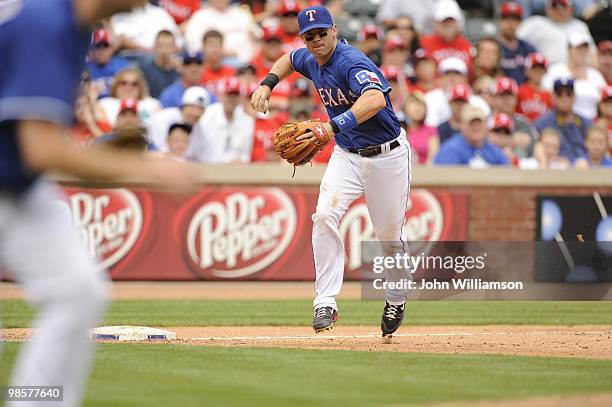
<point x="271" y="50"/>
<point x="180" y="10"/>
<point x="604" y="113"/>
<point x="487" y="60"/>
<point x="87" y="126"/>
<point x="447" y="40"/>
<point x="425" y="71"/>
<point x="214" y="70"/>
<point x="287" y="18"/>
<point x="533" y="101"/>
<point x="370" y="42"/>
<point x="605" y="60"/>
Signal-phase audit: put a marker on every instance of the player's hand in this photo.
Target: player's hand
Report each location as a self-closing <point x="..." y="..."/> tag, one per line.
<point x="312" y="138"/>
<point x="259" y="100"/>
<point x="175" y="176"/>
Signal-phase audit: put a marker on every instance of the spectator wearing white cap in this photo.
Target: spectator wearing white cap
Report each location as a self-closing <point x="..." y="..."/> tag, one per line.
<point x="138" y="29"/>
<point x="453" y="71"/>
<point x="546" y="33"/>
<point x="588" y="81"/>
<point x="193" y="104"/>
<point x="226" y="129"/>
<point x="236" y="24"/>
<point x="421" y="12"/>
<point x="447" y="40"/>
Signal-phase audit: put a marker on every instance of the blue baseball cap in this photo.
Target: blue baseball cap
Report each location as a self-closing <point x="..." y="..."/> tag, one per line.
<point x="314" y="17"/>
<point x="562" y="83"/>
<point x="190" y="57"/>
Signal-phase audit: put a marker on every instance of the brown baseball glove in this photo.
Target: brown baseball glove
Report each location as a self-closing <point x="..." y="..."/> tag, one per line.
<point x="130" y="138"/>
<point x="300" y="152"/>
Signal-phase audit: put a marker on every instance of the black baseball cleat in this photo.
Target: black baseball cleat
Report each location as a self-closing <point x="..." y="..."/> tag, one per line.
<point x="324" y="318"/>
<point x="391" y="318"/>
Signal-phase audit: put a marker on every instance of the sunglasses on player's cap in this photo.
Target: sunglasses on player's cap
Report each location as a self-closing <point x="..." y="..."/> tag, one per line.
<point x="314" y="17"/>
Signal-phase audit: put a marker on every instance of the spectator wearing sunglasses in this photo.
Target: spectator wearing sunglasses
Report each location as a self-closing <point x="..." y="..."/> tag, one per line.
<point x="403" y="27"/>
<point x="549" y="33"/>
<point x="103" y="64"/>
<point x="129" y="84"/>
<point x="571" y="126"/>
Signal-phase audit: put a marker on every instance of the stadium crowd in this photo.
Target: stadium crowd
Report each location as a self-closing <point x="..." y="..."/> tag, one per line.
<point x="536" y="92"/>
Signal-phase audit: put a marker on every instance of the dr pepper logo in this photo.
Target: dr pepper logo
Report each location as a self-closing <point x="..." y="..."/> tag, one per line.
<point x="424" y="222"/>
<point x="237" y="233"/>
<point x="108" y="221"/>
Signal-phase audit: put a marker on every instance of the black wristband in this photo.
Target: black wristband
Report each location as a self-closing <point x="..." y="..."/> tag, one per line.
<point x="271" y="80"/>
<point x="334" y="127"/>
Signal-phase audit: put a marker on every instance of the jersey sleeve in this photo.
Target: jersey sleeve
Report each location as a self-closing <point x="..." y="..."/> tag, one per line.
<point x="362" y="76"/>
<point x="39" y="77"/>
<point x="299" y="58"/>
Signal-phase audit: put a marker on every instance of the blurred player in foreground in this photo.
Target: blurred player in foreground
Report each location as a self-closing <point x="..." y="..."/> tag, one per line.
<point x="43" y="46"/>
<point x="371" y="157"/>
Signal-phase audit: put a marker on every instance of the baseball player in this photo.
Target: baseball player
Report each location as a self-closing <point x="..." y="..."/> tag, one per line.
<point x="43" y="46"/>
<point x="371" y="157"/>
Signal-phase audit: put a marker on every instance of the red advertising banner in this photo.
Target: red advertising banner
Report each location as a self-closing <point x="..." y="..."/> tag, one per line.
<point x="233" y="232"/>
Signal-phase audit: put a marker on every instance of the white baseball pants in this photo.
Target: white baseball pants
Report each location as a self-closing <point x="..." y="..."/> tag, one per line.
<point x="384" y="181"/>
<point x="41" y="250"/>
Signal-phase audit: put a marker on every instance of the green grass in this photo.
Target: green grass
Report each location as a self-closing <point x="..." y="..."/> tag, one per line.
<point x="174" y="375"/>
<point x="15" y="313"/>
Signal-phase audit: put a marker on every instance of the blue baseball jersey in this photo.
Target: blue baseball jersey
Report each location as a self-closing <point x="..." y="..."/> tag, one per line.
<point x="102" y="75"/>
<point x="340" y="82"/>
<point x="513" y="60"/>
<point x="43" y="54"/>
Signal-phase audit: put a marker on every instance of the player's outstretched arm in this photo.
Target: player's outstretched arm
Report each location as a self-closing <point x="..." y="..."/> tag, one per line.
<point x="45" y="147"/>
<point x="281" y="68"/>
